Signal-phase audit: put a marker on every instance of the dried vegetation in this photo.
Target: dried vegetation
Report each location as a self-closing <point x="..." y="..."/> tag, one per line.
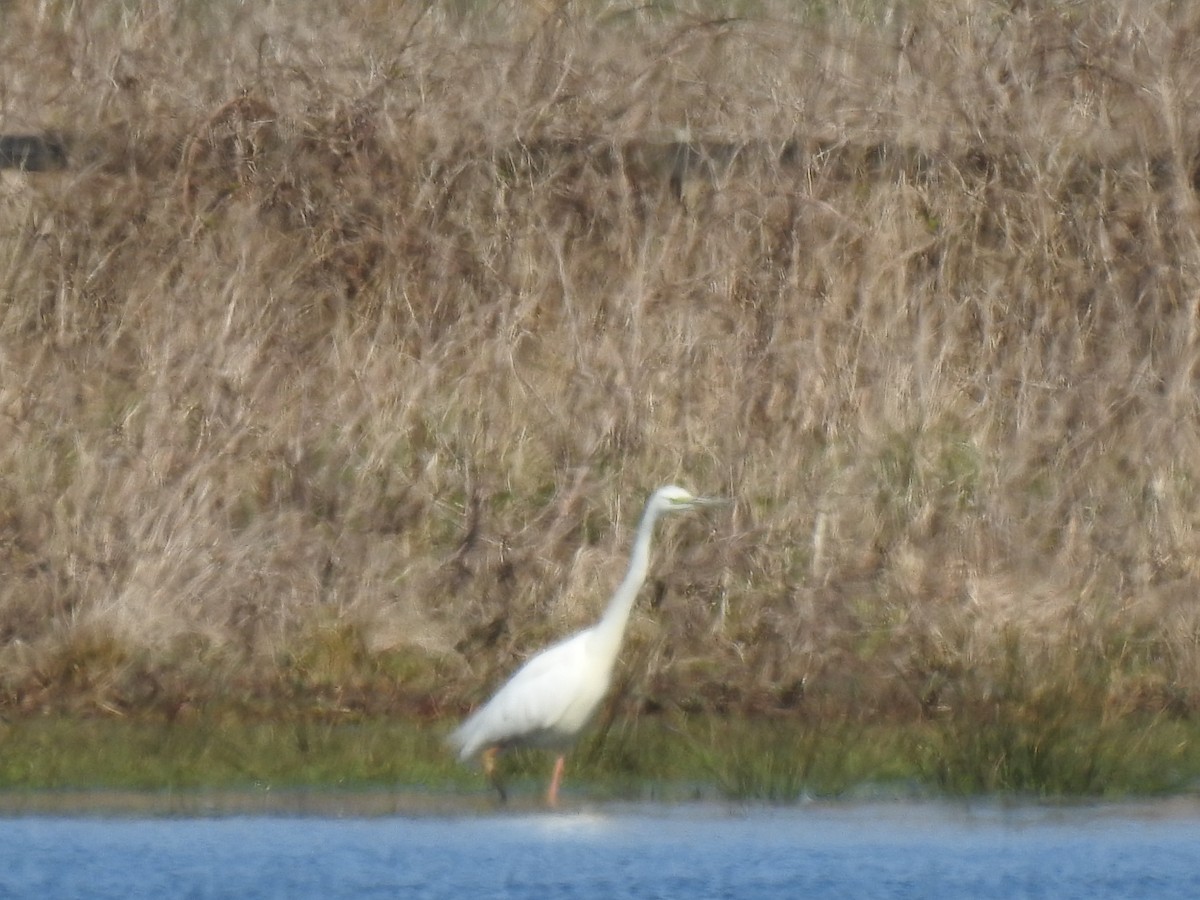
<point x="337" y="363"/>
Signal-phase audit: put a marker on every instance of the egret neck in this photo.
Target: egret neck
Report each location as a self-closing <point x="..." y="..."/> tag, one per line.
<point x="610" y="630"/>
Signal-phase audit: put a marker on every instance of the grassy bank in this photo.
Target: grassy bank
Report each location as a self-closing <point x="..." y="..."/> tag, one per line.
<point x="334" y="375"/>
<point x="671" y="758"/>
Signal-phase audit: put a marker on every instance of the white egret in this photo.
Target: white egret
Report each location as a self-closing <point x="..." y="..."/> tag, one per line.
<point x="553" y="695"/>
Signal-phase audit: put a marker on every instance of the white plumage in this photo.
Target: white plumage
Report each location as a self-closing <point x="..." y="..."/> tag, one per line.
<point x="553" y="696"/>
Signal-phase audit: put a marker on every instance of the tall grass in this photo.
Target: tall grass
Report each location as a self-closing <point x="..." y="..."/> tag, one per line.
<point x="336" y="366"/>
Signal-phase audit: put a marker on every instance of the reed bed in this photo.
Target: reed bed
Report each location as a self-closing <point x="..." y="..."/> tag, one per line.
<point x="339" y="357"/>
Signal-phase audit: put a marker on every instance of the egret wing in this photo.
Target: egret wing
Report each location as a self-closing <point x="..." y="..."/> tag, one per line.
<point x="530" y="707"/>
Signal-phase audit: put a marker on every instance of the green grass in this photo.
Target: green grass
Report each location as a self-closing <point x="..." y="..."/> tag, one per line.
<point x="758" y="760"/>
<point x="1062" y="758"/>
<point x="220" y="752"/>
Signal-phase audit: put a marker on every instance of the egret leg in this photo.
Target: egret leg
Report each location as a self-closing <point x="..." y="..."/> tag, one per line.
<point x="555" y="781"/>
<point x="489" y="769"/>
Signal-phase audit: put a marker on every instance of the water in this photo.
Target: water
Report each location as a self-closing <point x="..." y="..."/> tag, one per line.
<point x="895" y="850"/>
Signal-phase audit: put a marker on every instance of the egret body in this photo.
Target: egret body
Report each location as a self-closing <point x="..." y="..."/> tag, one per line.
<point x="553" y="695"/>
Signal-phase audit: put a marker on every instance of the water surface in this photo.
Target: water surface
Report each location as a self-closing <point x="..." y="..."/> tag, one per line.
<point x="982" y="850"/>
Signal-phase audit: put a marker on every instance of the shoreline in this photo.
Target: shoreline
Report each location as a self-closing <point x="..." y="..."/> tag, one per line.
<point x="649" y="758"/>
<point x="418" y="803"/>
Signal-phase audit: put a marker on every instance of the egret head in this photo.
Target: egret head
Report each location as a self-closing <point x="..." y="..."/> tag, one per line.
<point x="673" y="498"/>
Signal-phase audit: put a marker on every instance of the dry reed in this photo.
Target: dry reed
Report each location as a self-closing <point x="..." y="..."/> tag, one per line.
<point x="336" y="365"/>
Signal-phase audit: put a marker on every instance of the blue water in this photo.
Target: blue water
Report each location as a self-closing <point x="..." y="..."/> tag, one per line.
<point x="896" y="850"/>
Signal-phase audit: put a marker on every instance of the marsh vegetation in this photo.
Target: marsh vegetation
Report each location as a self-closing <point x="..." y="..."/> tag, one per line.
<point x="337" y="363"/>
